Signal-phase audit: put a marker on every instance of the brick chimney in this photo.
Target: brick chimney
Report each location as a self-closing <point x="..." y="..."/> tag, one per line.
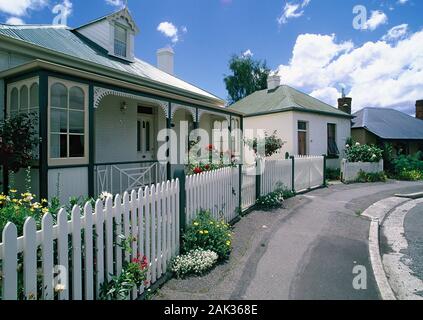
<point x="345" y="103"/>
<point x="419" y="109"/>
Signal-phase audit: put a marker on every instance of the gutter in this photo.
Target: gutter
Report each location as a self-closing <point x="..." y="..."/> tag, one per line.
<point x="346" y="116"/>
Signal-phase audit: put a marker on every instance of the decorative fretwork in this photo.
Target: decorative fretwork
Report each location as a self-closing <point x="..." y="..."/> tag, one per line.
<point x="100" y="93"/>
<point x="192" y="110"/>
<point x="223" y="115"/>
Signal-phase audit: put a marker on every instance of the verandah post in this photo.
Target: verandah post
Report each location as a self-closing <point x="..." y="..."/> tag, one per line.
<point x="258" y="177"/>
<point x="43" y="134"/>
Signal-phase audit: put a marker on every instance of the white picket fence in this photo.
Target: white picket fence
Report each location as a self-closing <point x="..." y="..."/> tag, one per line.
<point x="248" y="190"/>
<point x="275" y="172"/>
<point x="308" y="172"/>
<point x="86" y="247"/>
<point x="217" y="191"/>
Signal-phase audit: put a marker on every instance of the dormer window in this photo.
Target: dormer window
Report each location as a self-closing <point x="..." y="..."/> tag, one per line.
<point x="121" y="41"/>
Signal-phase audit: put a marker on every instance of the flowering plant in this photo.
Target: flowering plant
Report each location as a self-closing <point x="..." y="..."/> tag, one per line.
<point x="274" y="199"/>
<point x="363" y="153"/>
<point x="208" y="234"/>
<point x="195" y="262"/>
<point x="134" y="275"/>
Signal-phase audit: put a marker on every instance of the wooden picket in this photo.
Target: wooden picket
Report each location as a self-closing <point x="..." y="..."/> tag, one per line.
<point x="215" y="191"/>
<point x="88" y="245"/>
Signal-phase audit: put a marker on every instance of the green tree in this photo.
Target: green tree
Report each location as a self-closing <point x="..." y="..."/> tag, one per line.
<point x="248" y="76"/>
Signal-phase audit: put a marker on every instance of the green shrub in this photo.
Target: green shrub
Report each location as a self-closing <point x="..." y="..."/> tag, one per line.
<point x="333" y="174"/>
<point x="274" y="199"/>
<point x="207" y="233"/>
<point x="363" y="153"/>
<point x="411" y="175"/>
<point x="366" y="177"/>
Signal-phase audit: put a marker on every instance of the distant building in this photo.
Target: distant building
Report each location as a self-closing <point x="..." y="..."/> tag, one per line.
<point x="308" y="125"/>
<point x="380" y="125"/>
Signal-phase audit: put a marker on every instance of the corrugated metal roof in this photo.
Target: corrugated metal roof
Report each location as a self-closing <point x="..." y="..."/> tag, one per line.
<point x="389" y="124"/>
<point x="66" y="41"/>
<point x="281" y="99"/>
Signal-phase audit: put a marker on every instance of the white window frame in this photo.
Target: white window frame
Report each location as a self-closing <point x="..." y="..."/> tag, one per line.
<point x="306" y="130"/>
<point x="68" y="160"/>
<point x="126" y="56"/>
<point x="18" y="85"/>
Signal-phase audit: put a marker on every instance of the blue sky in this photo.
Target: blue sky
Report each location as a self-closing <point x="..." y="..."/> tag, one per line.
<point x="311" y="43"/>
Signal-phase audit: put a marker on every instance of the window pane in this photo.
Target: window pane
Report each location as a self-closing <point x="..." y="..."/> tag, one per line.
<point x="33" y="99"/>
<point x="14" y="100"/>
<point x="59" y="96"/>
<point x="120" y="33"/>
<point x="58" y="120"/>
<point x="76" y="122"/>
<point x="76" y="98"/>
<point x="302" y="125"/>
<point x="58" y="146"/>
<point x="24" y="99"/>
<point x="76" y="146"/>
<point x="120" y="41"/>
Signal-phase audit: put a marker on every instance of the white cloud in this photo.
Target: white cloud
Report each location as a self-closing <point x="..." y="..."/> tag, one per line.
<point x="292" y="10"/>
<point x="21" y="7"/>
<point x="402" y="1"/>
<point x="247" y="53"/>
<point x="116" y="3"/>
<point x="376" y="19"/>
<point x="171" y="31"/>
<point x="378" y="74"/>
<point x="396" y="32"/>
<point x="15" y="21"/>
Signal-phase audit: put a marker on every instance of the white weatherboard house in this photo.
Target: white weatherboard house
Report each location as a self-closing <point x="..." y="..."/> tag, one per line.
<point x="307" y="125"/>
<point x="99" y="106"/>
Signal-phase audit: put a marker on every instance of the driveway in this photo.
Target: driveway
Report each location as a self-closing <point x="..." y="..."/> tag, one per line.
<point x="307" y="251"/>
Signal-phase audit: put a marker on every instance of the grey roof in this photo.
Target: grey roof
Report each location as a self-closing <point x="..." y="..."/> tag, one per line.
<point x="64" y="40"/>
<point x="284" y="98"/>
<point x="389" y="124"/>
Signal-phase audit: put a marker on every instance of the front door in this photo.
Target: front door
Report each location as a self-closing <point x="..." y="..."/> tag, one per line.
<point x="146" y="141"/>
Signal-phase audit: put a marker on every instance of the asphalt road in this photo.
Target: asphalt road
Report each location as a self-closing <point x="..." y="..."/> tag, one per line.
<point x="413" y="226"/>
<point x="313" y="253"/>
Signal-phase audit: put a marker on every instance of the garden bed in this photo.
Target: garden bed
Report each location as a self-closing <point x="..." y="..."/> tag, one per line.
<point x="350" y="171"/>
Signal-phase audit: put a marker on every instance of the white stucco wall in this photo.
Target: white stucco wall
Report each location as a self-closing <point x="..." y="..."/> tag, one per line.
<point x="286" y="125"/>
<point x="280" y="122"/>
<point x="317" y="132"/>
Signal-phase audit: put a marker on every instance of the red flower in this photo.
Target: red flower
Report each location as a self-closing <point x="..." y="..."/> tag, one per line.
<point x="210" y="147"/>
<point x="207" y="167"/>
<point x="197" y="170"/>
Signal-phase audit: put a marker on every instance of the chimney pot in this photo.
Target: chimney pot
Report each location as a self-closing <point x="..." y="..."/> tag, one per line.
<point x="419" y="109"/>
<point x="165" y="60"/>
<point x="273" y="81"/>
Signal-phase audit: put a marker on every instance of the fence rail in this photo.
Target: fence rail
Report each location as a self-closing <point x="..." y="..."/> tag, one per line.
<point x="86" y="249"/>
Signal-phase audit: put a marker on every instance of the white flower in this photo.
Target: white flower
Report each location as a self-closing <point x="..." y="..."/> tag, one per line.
<point x="59" y="287"/>
<point x="104" y="195"/>
<point x="357" y="144"/>
<point x="196" y="262"/>
<point x="347" y="146"/>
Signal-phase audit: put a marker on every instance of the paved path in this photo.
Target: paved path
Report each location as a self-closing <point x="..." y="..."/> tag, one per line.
<point x="414" y="233"/>
<point x="306" y="252"/>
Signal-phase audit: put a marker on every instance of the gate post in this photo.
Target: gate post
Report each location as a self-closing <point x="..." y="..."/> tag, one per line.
<point x="293" y="173"/>
<point x="179" y="173"/>
<point x="324" y="171"/>
<point x="258" y="177"/>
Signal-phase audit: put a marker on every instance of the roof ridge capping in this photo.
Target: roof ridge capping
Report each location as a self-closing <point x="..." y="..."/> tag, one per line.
<point x="33" y="26"/>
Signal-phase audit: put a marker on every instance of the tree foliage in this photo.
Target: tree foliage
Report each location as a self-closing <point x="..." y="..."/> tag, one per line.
<point x="248" y="76"/>
<point x="17" y="141"/>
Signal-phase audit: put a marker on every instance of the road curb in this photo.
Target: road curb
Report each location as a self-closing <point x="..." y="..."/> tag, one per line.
<point x="385" y="289"/>
<point x="414" y="196"/>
